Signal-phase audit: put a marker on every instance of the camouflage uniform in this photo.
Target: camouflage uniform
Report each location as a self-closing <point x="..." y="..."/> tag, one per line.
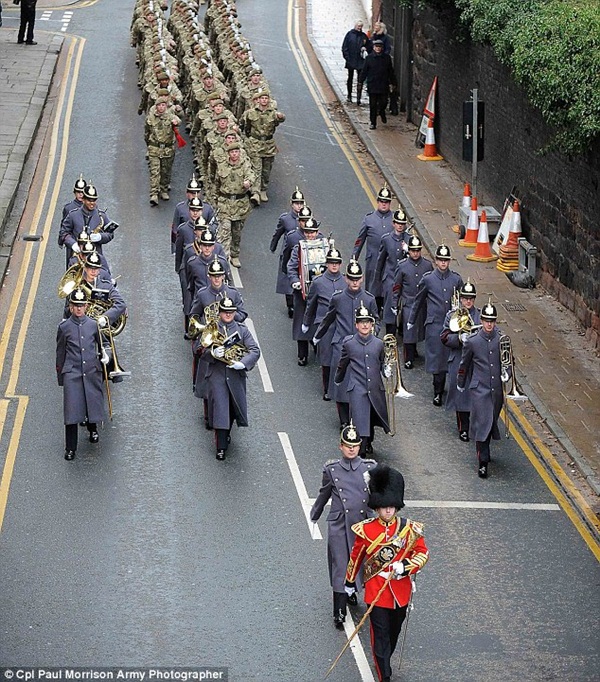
<point x="160" y="138"/>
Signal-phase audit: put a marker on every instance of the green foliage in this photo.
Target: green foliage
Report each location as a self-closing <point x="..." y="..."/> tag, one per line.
<point x="553" y="50"/>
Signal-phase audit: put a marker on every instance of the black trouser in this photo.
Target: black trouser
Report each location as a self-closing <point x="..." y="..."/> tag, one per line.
<point x="483" y="449"/>
<point x="390" y="328"/>
<point x="350" y="80"/>
<point x="27" y="21"/>
<point x="325" y="375"/>
<point x="385" y="630"/>
<point x="410" y="351"/>
<point x="463" y="421"/>
<point x="343" y="413"/>
<point x="377" y="105"/>
<point x="302" y="350"/>
<point x="439" y="382"/>
<point x="71" y="434"/>
<point x="289" y="300"/>
<point x="222" y="438"/>
<point x="340" y="601"/>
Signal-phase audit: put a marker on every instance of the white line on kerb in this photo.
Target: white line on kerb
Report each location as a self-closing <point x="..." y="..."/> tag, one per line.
<point x="262" y="365"/>
<point x="305" y="502"/>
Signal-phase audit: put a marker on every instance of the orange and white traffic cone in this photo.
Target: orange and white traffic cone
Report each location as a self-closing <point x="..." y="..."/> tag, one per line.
<point x="509" y="251"/>
<point x="430" y="151"/>
<point x="472" y="233"/>
<point x="466" y="200"/>
<point x="483" y="252"/>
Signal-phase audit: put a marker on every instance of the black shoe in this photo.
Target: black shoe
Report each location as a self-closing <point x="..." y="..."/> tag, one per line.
<point x="408" y="364"/>
<point x="302" y="362"/>
<point x="207" y="426"/>
<point x="20" y="42"/>
<point x="326" y="397"/>
<point x="30" y="42"/>
<point x="187" y="337"/>
<point x="290" y="312"/>
<point x="464" y="436"/>
<point x="437" y="399"/>
<point x="94" y="437"/>
<point x="349" y="99"/>
<point x="352" y="600"/>
<point x="482" y="470"/>
<point x="372" y="126"/>
<point x="69" y="455"/>
<point x="339" y="619"/>
<point x="383" y="118"/>
<point x="220" y="455"/>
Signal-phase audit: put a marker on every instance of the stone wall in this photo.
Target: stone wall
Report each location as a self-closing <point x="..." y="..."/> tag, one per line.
<point x="559" y="193"/>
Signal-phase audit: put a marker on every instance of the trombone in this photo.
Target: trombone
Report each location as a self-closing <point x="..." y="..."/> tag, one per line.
<point x="507" y="361"/>
<point x="117" y="373"/>
<point x="393" y="385"/>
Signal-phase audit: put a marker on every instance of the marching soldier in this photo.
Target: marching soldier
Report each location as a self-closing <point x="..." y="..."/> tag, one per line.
<point x="460" y="402"/>
<point x="435" y="291"/>
<point x="481" y="360"/>
<point x="182" y="214"/>
<point x="199" y="257"/>
<point x="375" y="224"/>
<point x="86" y="247"/>
<point x="79" y="372"/>
<point x="362" y="359"/>
<point x="226" y="382"/>
<point x="103" y="289"/>
<point x="317" y="304"/>
<point x="391" y="549"/>
<point x="408" y="275"/>
<point x="392" y="251"/>
<point x="159" y="135"/>
<point x="287" y="222"/>
<point x="340" y="313"/>
<point x="77" y="201"/>
<point x="344" y="484"/>
<point x="290" y="239"/>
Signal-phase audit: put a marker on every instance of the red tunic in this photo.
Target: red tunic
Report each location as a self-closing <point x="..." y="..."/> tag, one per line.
<point x="374" y="534"/>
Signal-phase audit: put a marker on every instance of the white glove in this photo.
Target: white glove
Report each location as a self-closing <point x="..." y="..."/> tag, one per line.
<point x="394" y="311"/>
<point x="504" y="376"/>
<point x="297" y="286"/>
<point x="95" y="237"/>
<point x="460" y="389"/>
<point x="238" y="365"/>
<point x="409" y="326"/>
<point x="463" y="336"/>
<point x="305" y="328"/>
<point x="387" y="371"/>
<point x="315" y="340"/>
<point x="105" y="358"/>
<point x="349" y="590"/>
<point x="399" y="568"/>
<point x="103" y="321"/>
<point x="218" y="351"/>
<point x="75" y="248"/>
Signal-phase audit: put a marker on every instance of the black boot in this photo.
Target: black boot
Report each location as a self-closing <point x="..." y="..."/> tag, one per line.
<point x="359" y="88"/>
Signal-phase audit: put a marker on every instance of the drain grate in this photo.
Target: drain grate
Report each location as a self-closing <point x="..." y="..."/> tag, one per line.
<point x="514" y="307"/>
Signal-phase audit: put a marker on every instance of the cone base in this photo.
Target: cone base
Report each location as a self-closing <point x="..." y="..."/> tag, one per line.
<point x="482" y="259"/>
<point x="504" y="267"/>
<point x="467" y="244"/>
<point x="437" y="157"/>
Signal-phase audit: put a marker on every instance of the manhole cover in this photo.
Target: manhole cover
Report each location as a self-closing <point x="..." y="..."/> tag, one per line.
<point x="514" y="307"/>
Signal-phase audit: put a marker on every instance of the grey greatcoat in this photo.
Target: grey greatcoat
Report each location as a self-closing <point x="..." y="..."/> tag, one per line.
<point x="435" y="291"/>
<point x="226" y="387"/>
<point x="317" y="303"/>
<point x="340" y="315"/>
<point x="79" y="370"/>
<point x="361" y="362"/>
<point x="392" y="251"/>
<point x="80" y="219"/>
<point x="343" y="483"/>
<point x="287" y="222"/>
<point x="375" y="224"/>
<point x="196" y="271"/>
<point x="182" y="215"/>
<point x="481" y="356"/>
<point x="185" y="237"/>
<point x="408" y="275"/>
<point x="459" y="402"/>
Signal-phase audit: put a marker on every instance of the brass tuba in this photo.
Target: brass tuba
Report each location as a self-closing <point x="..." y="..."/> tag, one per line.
<point x="393" y="384"/>
<point x="98" y="307"/>
<point x="211" y="336"/>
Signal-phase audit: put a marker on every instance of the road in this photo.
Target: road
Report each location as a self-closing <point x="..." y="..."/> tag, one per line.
<point x="147" y="551"/>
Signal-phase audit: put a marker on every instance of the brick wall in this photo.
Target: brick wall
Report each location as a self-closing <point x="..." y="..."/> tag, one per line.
<point x="560" y="194"/>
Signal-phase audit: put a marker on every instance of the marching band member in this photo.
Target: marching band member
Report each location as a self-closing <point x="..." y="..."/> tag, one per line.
<point x="392" y="549"/>
<point x="290" y="239"/>
<point x="481" y="361"/>
<point x="344" y="484"/>
<point x="199" y="255"/>
<point x="435" y="291"/>
<point x="77" y="201"/>
<point x="79" y="372"/>
<point x="362" y="359"/>
<point x="182" y="214"/>
<point x="460" y="402"/>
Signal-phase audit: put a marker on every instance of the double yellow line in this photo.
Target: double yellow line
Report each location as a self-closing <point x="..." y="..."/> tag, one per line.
<point x="66" y="95"/>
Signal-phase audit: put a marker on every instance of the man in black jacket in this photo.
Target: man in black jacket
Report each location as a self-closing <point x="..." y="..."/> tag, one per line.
<point x="378" y="72"/>
<point x="353" y="49"/>
<point x="27" y="21"/>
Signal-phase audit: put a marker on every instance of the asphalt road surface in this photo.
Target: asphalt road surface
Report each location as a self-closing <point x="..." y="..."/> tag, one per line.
<point x="147" y="551"/>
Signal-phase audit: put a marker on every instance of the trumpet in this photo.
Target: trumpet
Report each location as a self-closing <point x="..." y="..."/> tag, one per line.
<point x="393" y="384"/>
<point x="507" y="361"/>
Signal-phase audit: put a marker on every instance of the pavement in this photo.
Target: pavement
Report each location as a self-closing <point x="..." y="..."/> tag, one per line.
<point x="558" y="372"/>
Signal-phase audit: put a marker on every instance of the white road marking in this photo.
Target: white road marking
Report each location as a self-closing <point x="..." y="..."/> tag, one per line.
<point x="262" y="365"/>
<point x="465" y="504"/>
<point x="237" y="280"/>
<point x="357" y="651"/>
<point x="46" y="16"/>
<point x="305" y="501"/>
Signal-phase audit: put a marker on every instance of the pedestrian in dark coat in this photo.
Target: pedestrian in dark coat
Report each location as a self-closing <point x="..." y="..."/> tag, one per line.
<point x="363" y="361"/>
<point x="226" y="382"/>
<point x="454" y="340"/>
<point x="408" y="275"/>
<point x="27" y="24"/>
<point x="354" y="49"/>
<point x="481" y="356"/>
<point x="435" y="291"/>
<point x="317" y="305"/>
<point x="345" y="485"/>
<point x="79" y="371"/>
<point x="378" y="73"/>
<point x="375" y="224"/>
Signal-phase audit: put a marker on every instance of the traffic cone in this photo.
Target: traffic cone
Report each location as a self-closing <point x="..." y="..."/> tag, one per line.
<point x="466" y="200"/>
<point x="483" y="252"/>
<point x="509" y="251"/>
<point x="430" y="152"/>
<point x="472" y="234"/>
